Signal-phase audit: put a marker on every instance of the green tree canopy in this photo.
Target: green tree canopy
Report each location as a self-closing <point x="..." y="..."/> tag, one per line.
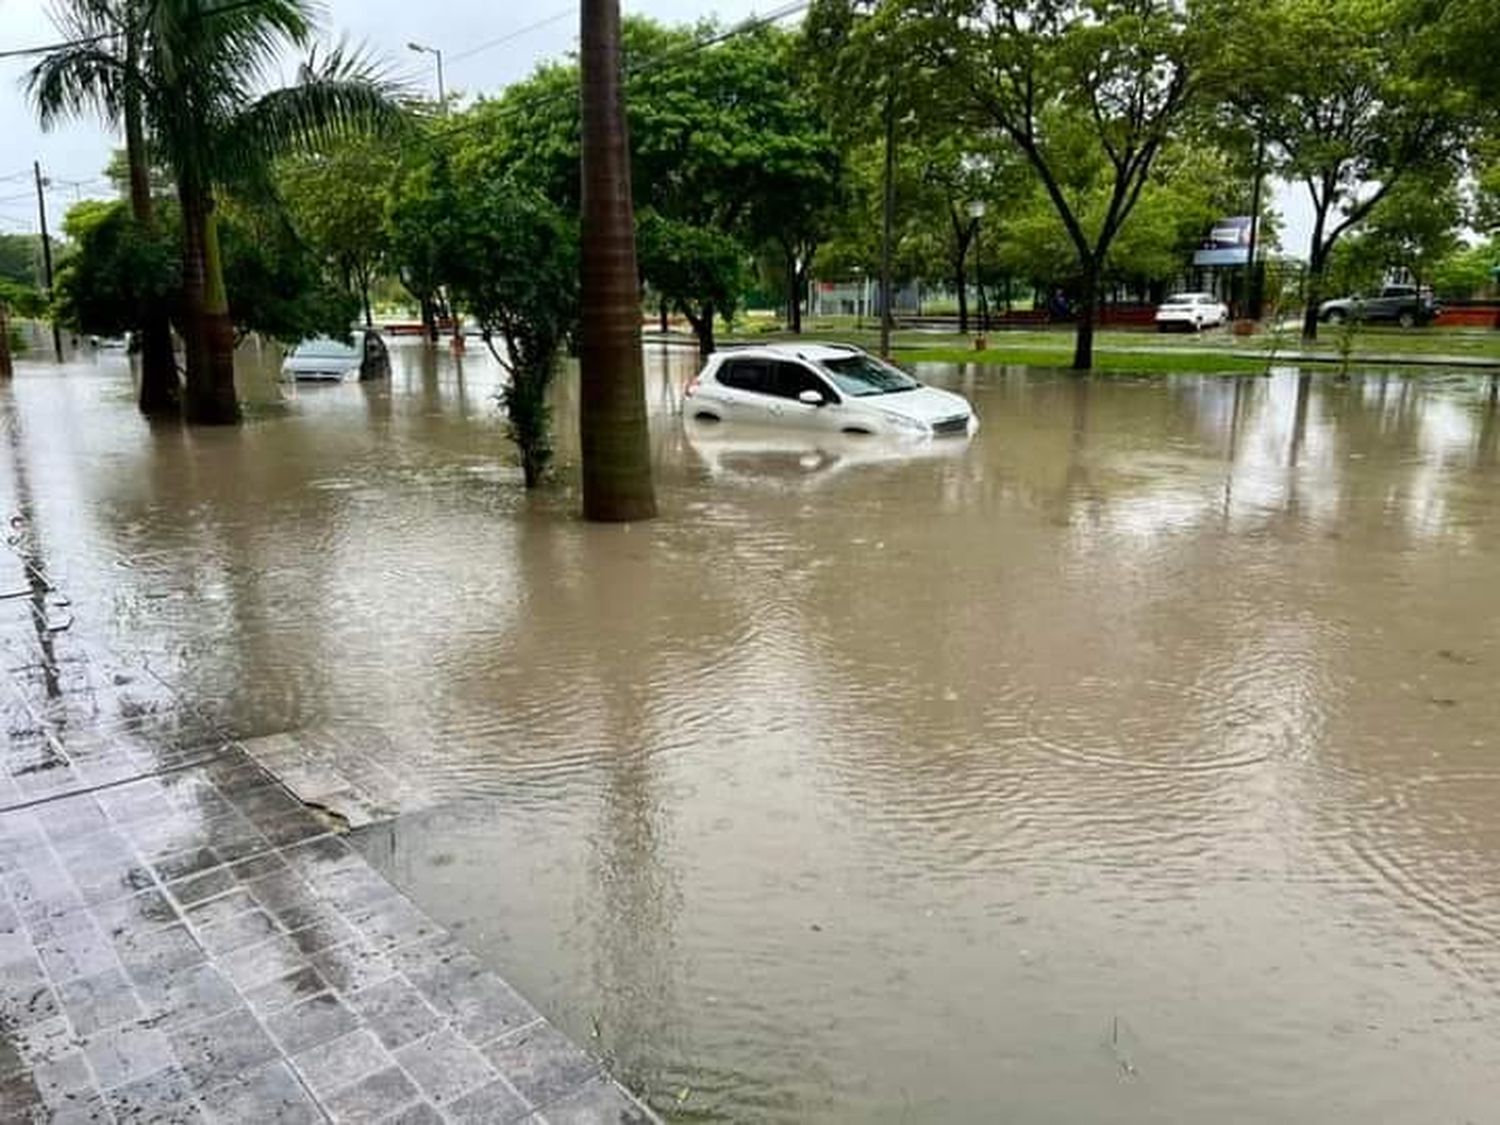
<point x="724" y="142"/>
<point x="117" y="272"/>
<point x="1340" y="92"/>
<point x="19" y="255"/>
<point x="1088" y="92"/>
<point x="337" y="201"/>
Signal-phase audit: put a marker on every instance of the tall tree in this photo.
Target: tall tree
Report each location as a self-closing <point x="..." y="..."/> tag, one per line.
<point x="422" y="218"/>
<point x="873" y="87"/>
<point x="616" y="441"/>
<point x="1341" y="93"/>
<point x="337" y="200"/>
<point x="1089" y="85"/>
<point x="727" y="153"/>
<point x="100" y="69"/>
<point x="204" y="65"/>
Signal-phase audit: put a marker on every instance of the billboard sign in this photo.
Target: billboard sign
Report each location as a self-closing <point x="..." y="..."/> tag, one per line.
<point x="1227" y="244"/>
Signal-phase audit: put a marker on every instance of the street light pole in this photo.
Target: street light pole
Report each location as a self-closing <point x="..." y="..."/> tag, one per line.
<point x="423" y="49"/>
<point x="976" y="212"/>
<point x="438" y="55"/>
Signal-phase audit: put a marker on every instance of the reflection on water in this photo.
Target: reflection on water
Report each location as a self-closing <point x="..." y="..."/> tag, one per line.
<point x="1133" y="760"/>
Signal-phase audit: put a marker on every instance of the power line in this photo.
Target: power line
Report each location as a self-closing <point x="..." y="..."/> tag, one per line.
<point x="513" y="35"/>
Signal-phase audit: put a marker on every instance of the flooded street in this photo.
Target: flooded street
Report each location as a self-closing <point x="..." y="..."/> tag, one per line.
<point x="1136" y="760"/>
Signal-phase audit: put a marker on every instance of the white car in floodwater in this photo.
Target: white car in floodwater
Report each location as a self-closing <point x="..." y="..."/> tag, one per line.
<point x="321" y="358"/>
<point x="830" y="387"/>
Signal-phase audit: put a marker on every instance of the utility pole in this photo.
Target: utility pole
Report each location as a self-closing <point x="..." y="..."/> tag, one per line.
<point x="41" y="210"/>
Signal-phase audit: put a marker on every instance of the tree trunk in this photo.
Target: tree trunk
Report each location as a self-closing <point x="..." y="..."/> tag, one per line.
<point x="614" y="432"/>
<point x="1315" y="270"/>
<point x="793" y="296"/>
<point x="194" y="334"/>
<point x="161" y="390"/>
<point x="887" y="225"/>
<point x="703" y="329"/>
<point x="1317" y="265"/>
<point x="1088" y="312"/>
<point x="364" y="297"/>
<point x="961" y="284"/>
<point x="429" y="318"/>
<point x="666" y="323"/>
<point x="211" y="397"/>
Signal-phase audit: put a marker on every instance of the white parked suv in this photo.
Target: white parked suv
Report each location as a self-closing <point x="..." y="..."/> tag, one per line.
<point x="824" y="387"/>
<point x="1191" y="311"/>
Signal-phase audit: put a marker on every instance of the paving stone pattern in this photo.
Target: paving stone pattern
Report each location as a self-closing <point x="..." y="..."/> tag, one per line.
<point x="181" y="940"/>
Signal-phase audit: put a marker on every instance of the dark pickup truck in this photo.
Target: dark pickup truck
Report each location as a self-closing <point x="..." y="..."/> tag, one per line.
<point x="1395" y="304"/>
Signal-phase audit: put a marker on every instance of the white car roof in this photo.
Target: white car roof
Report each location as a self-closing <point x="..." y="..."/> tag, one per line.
<point x="1189" y="297"/>
<point x="809" y="351"/>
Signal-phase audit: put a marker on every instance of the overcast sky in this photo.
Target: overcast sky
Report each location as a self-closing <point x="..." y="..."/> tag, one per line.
<point x="75" y="154"/>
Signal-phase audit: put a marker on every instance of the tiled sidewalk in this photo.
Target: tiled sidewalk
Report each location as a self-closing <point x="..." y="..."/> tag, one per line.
<point x="181" y="940"/>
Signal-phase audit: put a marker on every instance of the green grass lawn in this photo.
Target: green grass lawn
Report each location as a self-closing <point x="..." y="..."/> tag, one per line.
<point x="1146" y="351"/>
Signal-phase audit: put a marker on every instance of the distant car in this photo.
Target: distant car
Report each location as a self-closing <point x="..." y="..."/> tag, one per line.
<point x="111" y="343"/>
<point x="322" y="358"/>
<point x="827" y="387"/>
<point x="1405" y="305"/>
<point x="1191" y="312"/>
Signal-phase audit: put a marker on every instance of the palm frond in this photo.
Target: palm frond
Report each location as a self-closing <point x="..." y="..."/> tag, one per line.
<point x="87" y="74"/>
<point x="344" y="93"/>
<point x="76" y="80"/>
<point x="211" y="42"/>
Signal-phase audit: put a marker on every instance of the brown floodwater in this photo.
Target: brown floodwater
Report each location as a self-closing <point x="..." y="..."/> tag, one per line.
<point x="1137" y="760"/>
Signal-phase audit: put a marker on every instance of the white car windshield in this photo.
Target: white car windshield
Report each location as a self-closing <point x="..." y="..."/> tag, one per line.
<point x="324" y="349"/>
<point x="861" y="375"/>
<point x="1182" y="299"/>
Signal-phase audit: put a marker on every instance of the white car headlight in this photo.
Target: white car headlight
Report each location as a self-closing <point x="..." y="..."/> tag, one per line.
<point x="902" y="424"/>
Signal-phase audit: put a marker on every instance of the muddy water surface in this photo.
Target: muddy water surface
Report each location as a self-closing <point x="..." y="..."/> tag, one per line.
<point x="1136" y="761"/>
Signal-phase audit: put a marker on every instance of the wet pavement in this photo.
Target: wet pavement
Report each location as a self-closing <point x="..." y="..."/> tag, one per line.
<point x="183" y="940"/>
<point x="1133" y="761"/>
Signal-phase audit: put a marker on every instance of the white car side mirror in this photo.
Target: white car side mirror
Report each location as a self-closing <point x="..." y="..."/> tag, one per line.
<point x="811" y="397"/>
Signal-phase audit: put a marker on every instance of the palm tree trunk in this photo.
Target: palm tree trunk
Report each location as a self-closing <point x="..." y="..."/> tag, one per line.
<point x="211" y="398"/>
<point x="615" y="436"/>
<point x="161" y="392"/>
<point x="194" y="338"/>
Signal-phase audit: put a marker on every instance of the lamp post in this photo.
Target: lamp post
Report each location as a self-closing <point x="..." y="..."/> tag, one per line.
<point x="438" y="55"/>
<point x="976" y="212"/>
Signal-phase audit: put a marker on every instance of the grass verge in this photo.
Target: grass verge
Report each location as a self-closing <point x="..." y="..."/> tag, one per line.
<point x="1142" y="363"/>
